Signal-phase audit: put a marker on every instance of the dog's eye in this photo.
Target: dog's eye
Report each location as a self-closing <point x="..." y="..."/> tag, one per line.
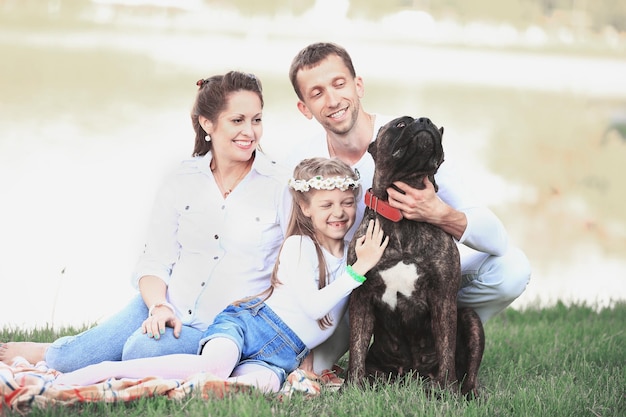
<point x="400" y="125"/>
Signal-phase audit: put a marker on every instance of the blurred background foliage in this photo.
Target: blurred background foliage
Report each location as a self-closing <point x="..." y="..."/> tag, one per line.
<point x="531" y="94"/>
<point x="581" y="15"/>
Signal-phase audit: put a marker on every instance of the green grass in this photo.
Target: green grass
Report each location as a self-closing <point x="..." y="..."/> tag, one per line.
<point x="556" y="361"/>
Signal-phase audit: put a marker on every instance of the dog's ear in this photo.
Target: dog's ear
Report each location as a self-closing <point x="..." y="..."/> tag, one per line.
<point x="441" y="131"/>
<point x="432" y="180"/>
<point x="372" y="150"/>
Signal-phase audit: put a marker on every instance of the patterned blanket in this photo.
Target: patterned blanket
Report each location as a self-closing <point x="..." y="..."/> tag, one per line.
<point x="24" y="385"/>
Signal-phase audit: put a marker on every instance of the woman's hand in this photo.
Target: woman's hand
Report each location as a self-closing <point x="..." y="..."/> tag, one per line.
<point x="369" y="248"/>
<point x="162" y="317"/>
<point x="154" y="293"/>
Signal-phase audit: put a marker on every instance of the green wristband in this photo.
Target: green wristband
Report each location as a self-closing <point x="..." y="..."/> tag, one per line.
<point x="357" y="277"/>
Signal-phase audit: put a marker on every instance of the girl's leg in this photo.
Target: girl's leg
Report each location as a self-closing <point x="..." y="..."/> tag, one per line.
<point x="219" y="357"/>
<point x="258" y="376"/>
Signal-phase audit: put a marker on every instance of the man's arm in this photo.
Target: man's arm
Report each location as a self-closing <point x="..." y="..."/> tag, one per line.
<point x="476" y="227"/>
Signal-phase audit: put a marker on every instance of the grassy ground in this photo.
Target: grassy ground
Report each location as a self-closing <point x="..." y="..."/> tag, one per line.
<point x="557" y="361"/>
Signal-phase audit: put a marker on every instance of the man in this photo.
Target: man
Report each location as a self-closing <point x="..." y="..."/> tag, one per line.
<point x="494" y="273"/>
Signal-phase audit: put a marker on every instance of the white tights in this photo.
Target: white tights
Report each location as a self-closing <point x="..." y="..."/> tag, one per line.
<point x="219" y="357"/>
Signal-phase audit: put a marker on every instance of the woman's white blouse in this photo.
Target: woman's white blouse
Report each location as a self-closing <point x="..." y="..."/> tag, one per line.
<point x="209" y="250"/>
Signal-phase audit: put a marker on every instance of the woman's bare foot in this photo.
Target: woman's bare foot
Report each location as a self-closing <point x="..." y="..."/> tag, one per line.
<point x="33" y="352"/>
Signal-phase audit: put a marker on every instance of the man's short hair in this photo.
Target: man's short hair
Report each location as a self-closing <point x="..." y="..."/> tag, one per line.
<point x="312" y="55"/>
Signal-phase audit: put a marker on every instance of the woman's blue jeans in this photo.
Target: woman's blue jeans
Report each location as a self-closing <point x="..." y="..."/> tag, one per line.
<point x="119" y="338"/>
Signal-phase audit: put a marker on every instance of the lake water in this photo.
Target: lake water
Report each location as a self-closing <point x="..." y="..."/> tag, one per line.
<point x="92" y="119"/>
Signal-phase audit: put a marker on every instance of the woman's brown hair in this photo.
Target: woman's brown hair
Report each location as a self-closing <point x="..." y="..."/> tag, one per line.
<point x="212" y="98"/>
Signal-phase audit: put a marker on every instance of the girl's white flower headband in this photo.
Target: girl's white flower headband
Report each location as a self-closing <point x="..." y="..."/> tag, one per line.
<point x="320" y="183"/>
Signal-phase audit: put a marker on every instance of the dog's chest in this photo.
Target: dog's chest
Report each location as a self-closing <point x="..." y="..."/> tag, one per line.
<point x="399" y="279"/>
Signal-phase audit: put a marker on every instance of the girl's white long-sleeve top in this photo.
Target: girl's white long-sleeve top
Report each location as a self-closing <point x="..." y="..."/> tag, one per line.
<point x="298" y="301"/>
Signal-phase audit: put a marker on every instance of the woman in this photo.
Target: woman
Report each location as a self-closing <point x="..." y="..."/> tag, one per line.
<point x="214" y="235"/>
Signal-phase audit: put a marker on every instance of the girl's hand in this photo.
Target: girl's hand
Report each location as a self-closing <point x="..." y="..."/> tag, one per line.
<point x="369" y="248"/>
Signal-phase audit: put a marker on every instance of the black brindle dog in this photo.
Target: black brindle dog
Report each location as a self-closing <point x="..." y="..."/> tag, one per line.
<point x="409" y="301"/>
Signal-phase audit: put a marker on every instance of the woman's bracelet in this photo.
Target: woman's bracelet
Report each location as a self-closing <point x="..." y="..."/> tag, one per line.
<point x="165" y="304"/>
<point x="355" y="276"/>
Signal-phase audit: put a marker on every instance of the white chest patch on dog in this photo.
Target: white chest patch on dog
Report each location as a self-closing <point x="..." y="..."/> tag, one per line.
<point x="398" y="279"/>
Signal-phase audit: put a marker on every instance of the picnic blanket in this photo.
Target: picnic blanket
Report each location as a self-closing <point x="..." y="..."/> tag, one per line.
<point x="24" y="385"/>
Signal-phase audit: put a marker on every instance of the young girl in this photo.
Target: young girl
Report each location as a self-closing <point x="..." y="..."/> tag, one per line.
<point x="274" y="331"/>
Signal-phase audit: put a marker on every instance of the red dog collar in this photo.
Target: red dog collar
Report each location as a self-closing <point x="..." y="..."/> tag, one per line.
<point x="382" y="207"/>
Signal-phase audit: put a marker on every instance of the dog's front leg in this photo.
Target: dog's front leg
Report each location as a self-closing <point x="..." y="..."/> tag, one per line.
<point x="361" y="330"/>
<point x="444" y="322"/>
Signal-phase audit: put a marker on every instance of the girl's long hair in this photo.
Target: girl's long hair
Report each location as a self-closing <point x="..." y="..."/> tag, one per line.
<point x="301" y="225"/>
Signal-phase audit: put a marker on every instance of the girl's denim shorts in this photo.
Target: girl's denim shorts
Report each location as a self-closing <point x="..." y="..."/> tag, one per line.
<point x="262" y="337"/>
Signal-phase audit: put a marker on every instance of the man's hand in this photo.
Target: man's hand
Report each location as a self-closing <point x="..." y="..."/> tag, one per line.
<point x="426" y="206"/>
<point x="419" y="205"/>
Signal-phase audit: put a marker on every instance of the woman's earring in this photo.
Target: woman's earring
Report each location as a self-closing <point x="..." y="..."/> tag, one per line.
<point x="207" y="138"/>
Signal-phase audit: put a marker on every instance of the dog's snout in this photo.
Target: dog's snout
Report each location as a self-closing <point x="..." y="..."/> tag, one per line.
<point x="424" y="120"/>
